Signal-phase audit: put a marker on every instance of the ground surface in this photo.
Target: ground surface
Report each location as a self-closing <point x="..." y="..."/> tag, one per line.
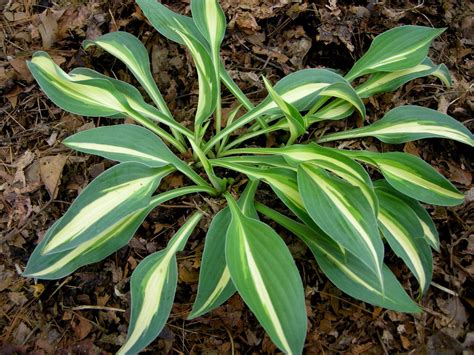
<point x="88" y="312"/>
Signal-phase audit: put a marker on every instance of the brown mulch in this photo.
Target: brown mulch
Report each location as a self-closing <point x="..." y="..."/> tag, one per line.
<point x="88" y="312"/>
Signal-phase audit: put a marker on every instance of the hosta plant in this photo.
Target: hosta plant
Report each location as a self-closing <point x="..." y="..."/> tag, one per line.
<point x="333" y="206"/>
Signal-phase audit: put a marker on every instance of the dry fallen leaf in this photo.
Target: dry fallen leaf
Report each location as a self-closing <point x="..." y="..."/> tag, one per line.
<point x="51" y="168"/>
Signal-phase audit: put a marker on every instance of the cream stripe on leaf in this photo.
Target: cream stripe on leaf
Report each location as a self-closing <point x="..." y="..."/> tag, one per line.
<point x="386" y="82"/>
<point x="409" y="123"/>
<point x="403" y="231"/>
<point x="265" y="275"/>
<point x="90" y="97"/>
<point x="119" y="191"/>
<point x="123" y="143"/>
<point x="134" y="55"/>
<point x="210" y="20"/>
<point x="129" y="143"/>
<point x="417" y="179"/>
<point x="343" y="212"/>
<point x="296" y="123"/>
<point x="300" y="89"/>
<point x="346" y="271"/>
<point x="429" y="228"/>
<point x="58" y="265"/>
<point x="215" y="285"/>
<point x="382" y="82"/>
<point x="152" y="287"/>
<point x="329" y="159"/>
<point x="396" y="49"/>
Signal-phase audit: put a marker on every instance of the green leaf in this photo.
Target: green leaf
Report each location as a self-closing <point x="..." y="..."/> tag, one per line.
<point x="300" y="89"/>
<point x="182" y="29"/>
<point x="90" y="97"/>
<point x="381" y="82"/>
<point x="329" y="159"/>
<point x="215" y="285"/>
<point x="346" y="271"/>
<point x="347" y="94"/>
<point x="390" y="81"/>
<point x="210" y="20"/>
<point x="134" y="100"/>
<point x="58" y="265"/>
<point x="409" y="123"/>
<point x="152" y="286"/>
<point x="343" y="212"/>
<point x="403" y="231"/>
<point x="118" y="192"/>
<point x="413" y="177"/>
<point x="168" y="22"/>
<point x="396" y="49"/>
<point x="206" y="78"/>
<point x="134" y="55"/>
<point x="296" y="123"/>
<point x="429" y="228"/>
<point x="123" y="143"/>
<point x="129" y="143"/>
<point x="264" y="273"/>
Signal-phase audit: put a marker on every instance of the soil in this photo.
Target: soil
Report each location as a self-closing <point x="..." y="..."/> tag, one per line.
<point x="88" y="312"/>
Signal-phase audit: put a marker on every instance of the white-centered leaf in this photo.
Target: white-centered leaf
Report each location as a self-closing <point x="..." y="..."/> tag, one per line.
<point x="129" y="143"/>
<point x="329" y="159"/>
<point x="409" y="123"/>
<point x="346" y="271"/>
<point x="210" y="20"/>
<point x="343" y="212"/>
<point x="381" y="82"/>
<point x="215" y="285"/>
<point x="86" y="97"/>
<point x="296" y="123"/>
<point x="58" y="265"/>
<point x="153" y="285"/>
<point x="265" y="275"/>
<point x="123" y="143"/>
<point x="404" y="232"/>
<point x="130" y="50"/>
<point x="412" y="176"/>
<point x="429" y="228"/>
<point x="113" y="195"/>
<point x="396" y="49"/>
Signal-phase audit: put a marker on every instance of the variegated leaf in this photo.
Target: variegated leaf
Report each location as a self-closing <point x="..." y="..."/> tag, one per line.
<point x="134" y="55"/>
<point x="296" y="123"/>
<point x="122" y="143"/>
<point x="429" y="228"/>
<point x="404" y="232"/>
<point x="389" y="81"/>
<point x="382" y="82"/>
<point x="91" y="97"/>
<point x="215" y="285"/>
<point x="396" y="49"/>
<point x="182" y="29"/>
<point x="343" y="212"/>
<point x="129" y="143"/>
<point x="118" y="192"/>
<point x="210" y="20"/>
<point x="58" y="265"/>
<point x="300" y="89"/>
<point x="265" y="275"/>
<point x="346" y="271"/>
<point x="153" y="286"/>
<point x="412" y="176"/>
<point x="329" y="159"/>
<point x="409" y="123"/>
